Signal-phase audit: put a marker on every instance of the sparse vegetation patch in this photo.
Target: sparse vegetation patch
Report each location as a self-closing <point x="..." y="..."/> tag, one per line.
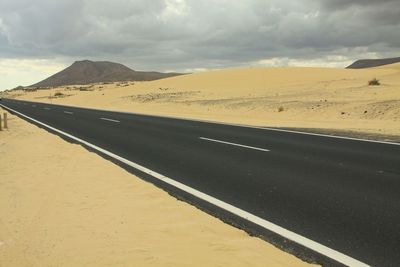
<point x="162" y="97"/>
<point x="85" y="89"/>
<point x="374" y="82"/>
<point x="58" y="94"/>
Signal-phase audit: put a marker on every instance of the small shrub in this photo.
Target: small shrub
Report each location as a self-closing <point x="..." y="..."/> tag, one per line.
<point x="373" y="82"/>
<point x="58" y="94"/>
<point x="85" y="89"/>
<point x="280" y="109"/>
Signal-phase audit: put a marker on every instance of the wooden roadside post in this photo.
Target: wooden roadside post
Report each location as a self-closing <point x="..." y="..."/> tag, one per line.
<point x="5" y="121"/>
<point x="0" y="123"/>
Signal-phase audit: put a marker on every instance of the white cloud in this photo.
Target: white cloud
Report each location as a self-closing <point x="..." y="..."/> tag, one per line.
<point x="335" y="59"/>
<point x="16" y="72"/>
<point x="327" y="62"/>
<point x="174" y="8"/>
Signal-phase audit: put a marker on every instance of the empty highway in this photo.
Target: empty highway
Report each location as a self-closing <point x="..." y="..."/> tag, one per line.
<point x="341" y="195"/>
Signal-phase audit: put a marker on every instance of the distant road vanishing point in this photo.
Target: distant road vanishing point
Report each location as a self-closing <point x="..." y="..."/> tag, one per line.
<point x="338" y="197"/>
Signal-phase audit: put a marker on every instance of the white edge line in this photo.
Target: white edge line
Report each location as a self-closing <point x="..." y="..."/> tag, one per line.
<point x="68" y="112"/>
<point x="324" y="250"/>
<point x="106" y="119"/>
<point x="234" y="144"/>
<point x="231" y="124"/>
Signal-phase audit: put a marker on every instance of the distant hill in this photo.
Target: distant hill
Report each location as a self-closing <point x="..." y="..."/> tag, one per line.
<point x="369" y="63"/>
<point x="86" y="71"/>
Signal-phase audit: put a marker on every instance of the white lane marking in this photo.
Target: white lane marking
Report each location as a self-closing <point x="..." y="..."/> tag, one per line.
<point x="47" y="108"/>
<point x="68" y="112"/>
<point x="242" y="125"/>
<point x="234" y="144"/>
<point x="269" y="129"/>
<point x="106" y="119"/>
<point x="304" y="241"/>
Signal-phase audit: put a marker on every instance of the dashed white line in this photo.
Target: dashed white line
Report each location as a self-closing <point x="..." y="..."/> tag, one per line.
<point x="234" y="144"/>
<point x="68" y="112"/>
<point x="106" y="119"/>
<point x="47" y="108"/>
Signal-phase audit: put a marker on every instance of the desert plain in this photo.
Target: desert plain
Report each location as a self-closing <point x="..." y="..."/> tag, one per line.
<point x="77" y="209"/>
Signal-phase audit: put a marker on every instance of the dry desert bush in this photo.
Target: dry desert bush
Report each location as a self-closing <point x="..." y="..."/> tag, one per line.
<point x="373" y="82"/>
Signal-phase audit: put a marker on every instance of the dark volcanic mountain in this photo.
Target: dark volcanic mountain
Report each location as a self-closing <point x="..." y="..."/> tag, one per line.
<point x="369" y="63"/>
<point x="86" y="71"/>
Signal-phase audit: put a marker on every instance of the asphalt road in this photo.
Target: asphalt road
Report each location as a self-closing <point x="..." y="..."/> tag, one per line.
<point x="341" y="193"/>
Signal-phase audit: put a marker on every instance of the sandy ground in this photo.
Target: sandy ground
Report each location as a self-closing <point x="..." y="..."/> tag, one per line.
<point x="59" y="210"/>
<point x="281" y="97"/>
<point x="62" y="210"/>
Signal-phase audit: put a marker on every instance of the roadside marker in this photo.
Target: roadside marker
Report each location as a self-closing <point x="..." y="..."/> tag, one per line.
<point x="5" y="121"/>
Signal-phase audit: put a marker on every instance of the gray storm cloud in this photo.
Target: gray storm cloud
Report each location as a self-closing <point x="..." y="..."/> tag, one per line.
<point x="178" y="34"/>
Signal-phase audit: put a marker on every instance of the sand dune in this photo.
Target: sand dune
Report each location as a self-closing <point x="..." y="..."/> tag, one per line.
<point x="281" y="97"/>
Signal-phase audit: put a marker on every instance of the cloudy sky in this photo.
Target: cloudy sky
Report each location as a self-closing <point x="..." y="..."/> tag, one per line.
<point x="41" y="37"/>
